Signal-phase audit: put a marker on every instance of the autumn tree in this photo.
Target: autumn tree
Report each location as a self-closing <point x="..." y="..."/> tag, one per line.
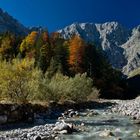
<point x="18" y="80"/>
<point x="76" y="57"/>
<point x="55" y="38"/>
<point x="27" y="47"/>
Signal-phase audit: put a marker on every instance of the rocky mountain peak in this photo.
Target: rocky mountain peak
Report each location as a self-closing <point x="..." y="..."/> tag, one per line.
<point x="114" y="39"/>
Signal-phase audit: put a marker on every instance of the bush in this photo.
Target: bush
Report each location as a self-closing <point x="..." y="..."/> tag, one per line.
<point x="66" y="88"/>
<point x="18" y="80"/>
<point x="94" y="94"/>
<point x="21" y="82"/>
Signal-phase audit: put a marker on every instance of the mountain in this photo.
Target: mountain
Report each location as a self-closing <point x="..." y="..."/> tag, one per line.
<point x="132" y="51"/>
<point x="121" y="45"/>
<point x="8" y="23"/>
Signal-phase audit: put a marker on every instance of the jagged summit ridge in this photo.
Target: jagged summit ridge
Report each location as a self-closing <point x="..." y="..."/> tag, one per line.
<point x="121" y="45"/>
<point x="114" y="39"/>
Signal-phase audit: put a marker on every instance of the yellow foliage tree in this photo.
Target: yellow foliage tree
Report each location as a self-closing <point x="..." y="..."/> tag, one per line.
<point x="18" y="80"/>
<point x="28" y="44"/>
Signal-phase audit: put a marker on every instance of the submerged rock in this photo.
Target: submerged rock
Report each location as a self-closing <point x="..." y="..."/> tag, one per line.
<point x="106" y="133"/>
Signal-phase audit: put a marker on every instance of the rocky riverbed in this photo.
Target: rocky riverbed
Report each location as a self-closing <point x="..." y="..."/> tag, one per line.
<point x="111" y="120"/>
<point x="127" y="108"/>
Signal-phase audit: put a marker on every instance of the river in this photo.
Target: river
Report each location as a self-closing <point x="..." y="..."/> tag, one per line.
<point x="110" y="126"/>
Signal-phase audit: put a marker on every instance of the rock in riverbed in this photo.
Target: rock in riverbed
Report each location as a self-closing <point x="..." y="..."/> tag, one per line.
<point x="42" y="132"/>
<point x="63" y="128"/>
<point x="106" y="133"/>
<point x="128" y="108"/>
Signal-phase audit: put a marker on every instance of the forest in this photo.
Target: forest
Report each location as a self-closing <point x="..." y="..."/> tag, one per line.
<point x="44" y="67"/>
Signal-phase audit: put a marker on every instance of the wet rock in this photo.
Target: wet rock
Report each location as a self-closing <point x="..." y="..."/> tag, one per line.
<point x="63" y="132"/>
<point x="106" y="133"/>
<point x="37" y="138"/>
<point x="69" y="114"/>
<point x="82" y="124"/>
<point x="127" y="108"/>
<point x="92" y="113"/>
<point x="60" y="126"/>
<point x="137" y="122"/>
<point x="72" y="113"/>
<point x="117" y="139"/>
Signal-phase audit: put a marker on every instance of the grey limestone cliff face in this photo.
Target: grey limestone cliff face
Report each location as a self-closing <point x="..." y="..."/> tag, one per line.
<point x="132" y="51"/>
<point x="121" y="45"/>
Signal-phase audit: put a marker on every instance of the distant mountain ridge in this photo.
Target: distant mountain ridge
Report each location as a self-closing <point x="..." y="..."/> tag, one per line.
<point x="8" y="23"/>
<point x="121" y="45"/>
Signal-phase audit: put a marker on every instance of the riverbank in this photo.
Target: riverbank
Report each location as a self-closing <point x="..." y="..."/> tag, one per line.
<point x="55" y="120"/>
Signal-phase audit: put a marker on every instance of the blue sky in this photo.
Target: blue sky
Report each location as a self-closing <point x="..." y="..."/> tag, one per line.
<point x="56" y="14"/>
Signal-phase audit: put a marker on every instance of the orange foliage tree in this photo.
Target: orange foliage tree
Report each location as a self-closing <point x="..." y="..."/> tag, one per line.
<point x="76" y="54"/>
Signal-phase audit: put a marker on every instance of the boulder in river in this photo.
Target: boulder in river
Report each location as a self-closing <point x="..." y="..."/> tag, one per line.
<point x="61" y="126"/>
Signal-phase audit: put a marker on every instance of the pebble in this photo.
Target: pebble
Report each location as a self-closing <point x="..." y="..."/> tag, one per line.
<point x="42" y="132"/>
<point x="128" y="108"/>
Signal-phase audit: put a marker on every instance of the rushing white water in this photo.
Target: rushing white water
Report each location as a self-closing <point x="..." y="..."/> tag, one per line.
<point x="118" y="127"/>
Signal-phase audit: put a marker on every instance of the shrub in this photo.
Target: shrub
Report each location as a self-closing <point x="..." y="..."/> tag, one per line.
<point x="18" y="80"/>
<point x="94" y="94"/>
<point x="21" y="82"/>
<point x="69" y="88"/>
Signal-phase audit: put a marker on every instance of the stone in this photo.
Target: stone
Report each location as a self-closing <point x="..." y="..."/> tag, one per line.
<point x="82" y="124"/>
<point x="63" y="132"/>
<point x="137" y="122"/>
<point x="72" y="113"/>
<point x="44" y="138"/>
<point x="106" y="133"/>
<point x="60" y="126"/>
<point x="37" y="138"/>
<point x="118" y="139"/>
<point x="24" y="135"/>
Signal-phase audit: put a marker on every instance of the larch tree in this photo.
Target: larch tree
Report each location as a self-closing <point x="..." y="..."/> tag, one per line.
<point x="27" y="47"/>
<point x="76" y="54"/>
